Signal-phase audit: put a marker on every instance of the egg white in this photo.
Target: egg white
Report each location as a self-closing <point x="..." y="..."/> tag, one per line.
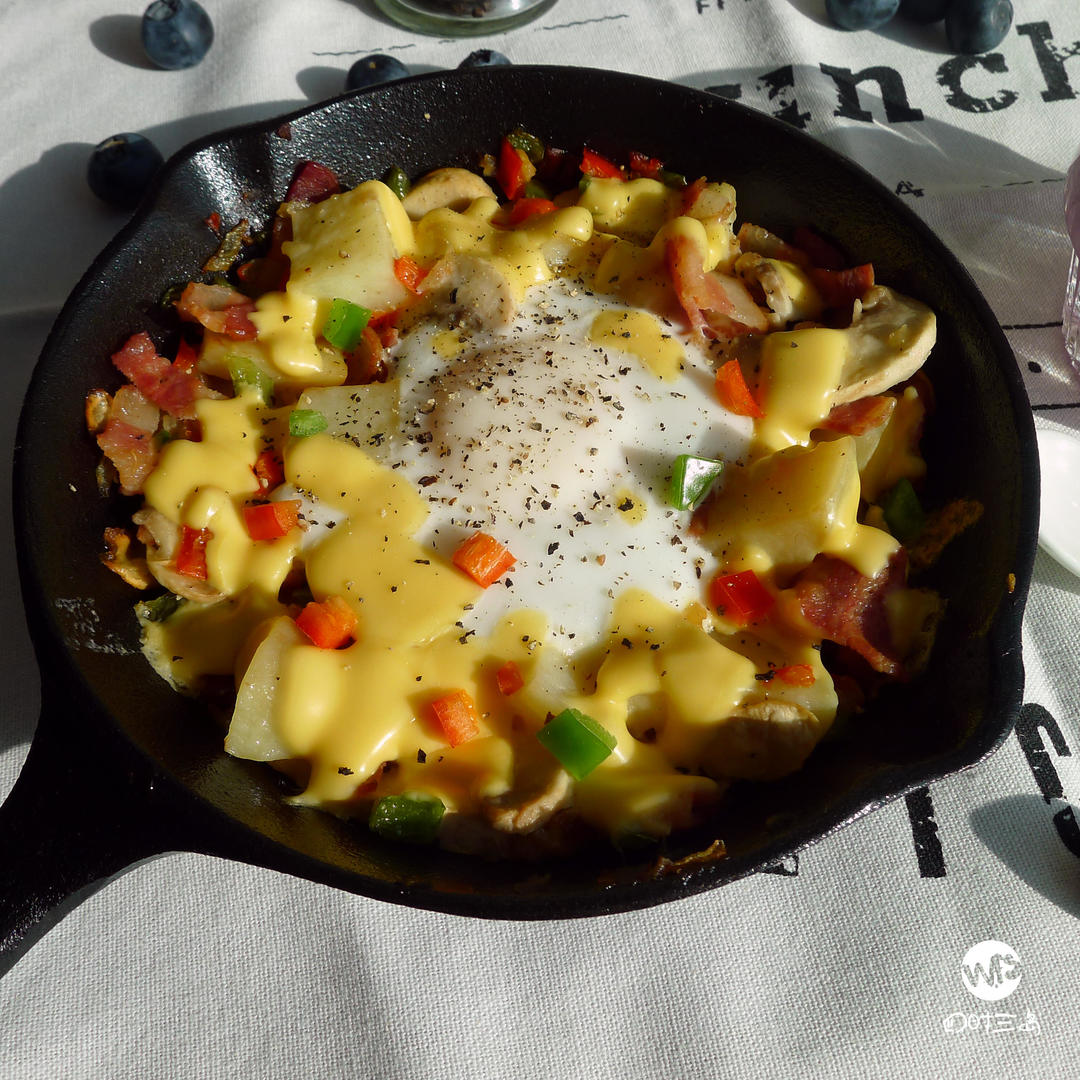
<point x="537" y="435"/>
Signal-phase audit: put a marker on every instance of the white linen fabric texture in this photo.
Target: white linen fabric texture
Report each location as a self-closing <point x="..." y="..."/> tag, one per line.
<point x="844" y="963"/>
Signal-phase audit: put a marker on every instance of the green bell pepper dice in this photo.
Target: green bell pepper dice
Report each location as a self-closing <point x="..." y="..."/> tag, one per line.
<point x="691" y="478"/>
<point x="345" y="324"/>
<point x="413" y="818"/>
<point x="577" y="741"/>
<point x="305" y="422"/>
<point x="245" y="372"/>
<point x="903" y="512"/>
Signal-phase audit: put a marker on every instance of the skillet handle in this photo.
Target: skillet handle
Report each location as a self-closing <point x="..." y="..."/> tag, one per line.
<point x="74" y="820"/>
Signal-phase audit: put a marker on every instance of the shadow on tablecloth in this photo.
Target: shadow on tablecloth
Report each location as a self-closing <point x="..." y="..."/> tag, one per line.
<point x="1014" y="830"/>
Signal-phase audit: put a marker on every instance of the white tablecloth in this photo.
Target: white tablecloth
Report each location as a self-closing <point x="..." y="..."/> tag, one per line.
<point x="846" y="963"/>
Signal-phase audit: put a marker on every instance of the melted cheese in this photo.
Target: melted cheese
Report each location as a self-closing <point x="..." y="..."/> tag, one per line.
<point x="356" y="723"/>
<point x="402" y="592"/>
<point x="634" y="210"/>
<point x="896" y="456"/>
<point x="346" y="246"/>
<point x="523" y="256"/>
<point x="642" y="335"/>
<point x="288" y="323"/>
<point x="780" y="512"/>
<point x="800" y="372"/>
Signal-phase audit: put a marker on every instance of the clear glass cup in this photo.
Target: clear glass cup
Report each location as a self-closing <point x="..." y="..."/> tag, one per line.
<point x="1070" y="314"/>
<point x="462" y="18"/>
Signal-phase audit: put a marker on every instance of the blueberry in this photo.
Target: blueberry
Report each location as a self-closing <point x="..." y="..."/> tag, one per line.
<point x="373" y="70"/>
<point x="924" y="11"/>
<point x="860" y="14"/>
<point x="176" y="33"/>
<point x="121" y="168"/>
<point x="977" y="26"/>
<point x="484" y="58"/>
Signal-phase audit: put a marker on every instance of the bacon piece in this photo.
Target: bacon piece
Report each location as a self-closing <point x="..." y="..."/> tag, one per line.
<point x="385" y="325"/>
<point x="219" y="308"/>
<point x="367" y="362"/>
<point x="131" y="450"/>
<point x="841" y="288"/>
<point x="849" y="608"/>
<point x="311" y="183"/>
<point x="715" y="304"/>
<point x="859" y="417"/>
<point x="817" y="249"/>
<point x="762" y="242"/>
<point x="171" y="387"/>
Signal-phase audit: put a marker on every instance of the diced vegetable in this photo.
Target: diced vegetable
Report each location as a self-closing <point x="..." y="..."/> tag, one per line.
<point x="528" y="144"/>
<point x="514" y="170"/>
<point x="733" y="392"/>
<point x="191" y="552"/>
<point x="509" y="678"/>
<point x="741" y="598"/>
<point x="397" y="181"/>
<point x="345" y="324"/>
<point x="526" y="208"/>
<point x="245" y="373"/>
<point x="329" y="624"/>
<point x="305" y="422"/>
<point x="903" y="512"/>
<point x="594" y="164"/>
<point x="796" y="674"/>
<point x="643" y="165"/>
<point x="456" y="715"/>
<point x="412" y="818"/>
<point x="409" y="272"/>
<point x="187" y="357"/>
<point x="576" y="741"/>
<point x="161" y="607"/>
<point x="535" y="190"/>
<point x="691" y="479"/>
<point x="229" y="250"/>
<point x="269" y="470"/>
<point x="483" y="558"/>
<point x="672" y="179"/>
<point x="272" y="520"/>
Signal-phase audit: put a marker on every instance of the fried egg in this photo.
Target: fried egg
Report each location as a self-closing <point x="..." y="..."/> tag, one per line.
<point x="556" y="435"/>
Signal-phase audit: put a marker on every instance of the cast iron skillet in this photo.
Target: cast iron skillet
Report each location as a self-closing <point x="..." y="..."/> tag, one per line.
<point x="122" y="769"/>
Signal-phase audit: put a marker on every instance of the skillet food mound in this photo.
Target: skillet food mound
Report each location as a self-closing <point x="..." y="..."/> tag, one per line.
<point x="528" y="504"/>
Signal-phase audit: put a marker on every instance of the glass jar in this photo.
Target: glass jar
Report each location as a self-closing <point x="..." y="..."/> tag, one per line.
<point x="462" y="18"/>
<point x="1070" y="315"/>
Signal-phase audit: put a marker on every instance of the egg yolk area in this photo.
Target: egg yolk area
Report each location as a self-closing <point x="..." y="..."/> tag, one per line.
<point x="540" y="389"/>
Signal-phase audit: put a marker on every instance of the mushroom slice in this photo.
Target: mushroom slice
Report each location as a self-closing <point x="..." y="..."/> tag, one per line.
<point x="452" y="188"/>
<point x="118" y="558"/>
<point x="97" y="410"/>
<point x="162" y="537"/>
<point x="789" y="293"/>
<point x="762" y="740"/>
<point x="888" y="341"/>
<point x="524" y="811"/>
<point x="473" y="287"/>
